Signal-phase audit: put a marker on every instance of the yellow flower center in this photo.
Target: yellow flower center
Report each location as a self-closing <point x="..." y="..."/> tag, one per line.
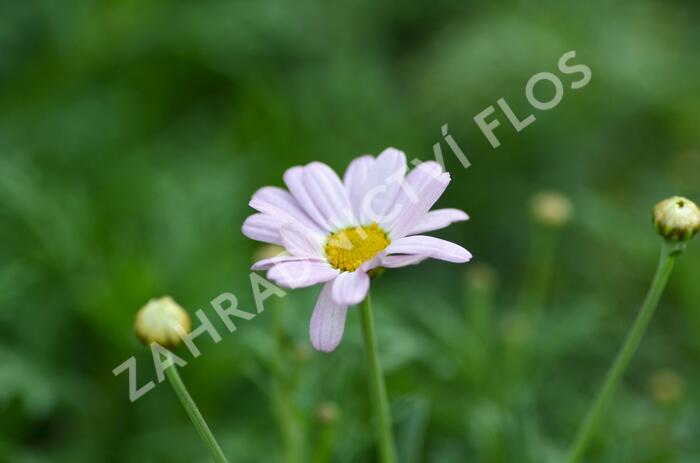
<point x="347" y="249"/>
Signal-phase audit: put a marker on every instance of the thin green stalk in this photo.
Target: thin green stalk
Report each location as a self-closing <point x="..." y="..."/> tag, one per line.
<point x="377" y="387"/>
<point x="290" y="427"/>
<point x="540" y="267"/>
<point x="326" y="440"/>
<point x="197" y="419"/>
<point x="669" y="252"/>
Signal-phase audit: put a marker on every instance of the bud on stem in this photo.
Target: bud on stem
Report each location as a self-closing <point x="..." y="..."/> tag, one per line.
<point x="677" y="219"/>
<point x="157" y="322"/>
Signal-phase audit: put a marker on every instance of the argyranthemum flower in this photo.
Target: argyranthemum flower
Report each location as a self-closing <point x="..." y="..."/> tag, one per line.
<point x="336" y="231"/>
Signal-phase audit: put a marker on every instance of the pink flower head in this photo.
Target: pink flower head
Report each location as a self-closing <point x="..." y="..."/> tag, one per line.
<point x="336" y="231"/>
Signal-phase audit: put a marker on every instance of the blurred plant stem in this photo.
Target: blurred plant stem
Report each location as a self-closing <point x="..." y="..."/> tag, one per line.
<point x="669" y="252"/>
<point x="520" y="355"/>
<point x="288" y="420"/>
<point x="377" y="386"/>
<point x="481" y="283"/>
<point x="326" y="417"/>
<point x="324" y="449"/>
<point x="197" y="419"/>
<point x="542" y="253"/>
<point x="478" y="345"/>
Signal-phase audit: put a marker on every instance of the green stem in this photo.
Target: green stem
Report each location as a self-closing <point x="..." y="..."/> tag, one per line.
<point x="377" y="387"/>
<point x="540" y="266"/>
<point x="324" y="448"/>
<point x="290" y="427"/>
<point x="669" y="252"/>
<point x="194" y="414"/>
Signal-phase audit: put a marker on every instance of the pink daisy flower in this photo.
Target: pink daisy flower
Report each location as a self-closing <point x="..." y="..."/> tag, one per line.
<point x="336" y="232"/>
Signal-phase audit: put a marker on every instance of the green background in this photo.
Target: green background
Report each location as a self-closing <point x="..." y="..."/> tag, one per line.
<point x="133" y="134"/>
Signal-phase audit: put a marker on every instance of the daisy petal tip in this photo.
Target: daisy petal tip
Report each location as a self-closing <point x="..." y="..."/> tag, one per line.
<point x="459" y="215"/>
<point x="260" y="266"/>
<point x="429" y="246"/>
<point x="459" y="255"/>
<point x="327" y="322"/>
<point x="350" y="288"/>
<point x="325" y="339"/>
<point x="290" y="174"/>
<point x="325" y="348"/>
<point x="394" y="152"/>
<point x="319" y="167"/>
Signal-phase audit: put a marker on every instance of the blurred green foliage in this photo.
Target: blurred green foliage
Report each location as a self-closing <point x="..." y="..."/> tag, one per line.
<point x="133" y="133"/>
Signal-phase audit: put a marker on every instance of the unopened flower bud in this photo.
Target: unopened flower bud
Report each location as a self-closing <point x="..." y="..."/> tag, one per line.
<point x="666" y="386"/>
<point x="268" y="251"/>
<point x="551" y="208"/>
<point x="301" y="351"/>
<point x="515" y="328"/>
<point x="327" y="413"/>
<point x="676" y="218"/>
<point x="482" y="277"/>
<point x="376" y="272"/>
<point x="156" y="322"/>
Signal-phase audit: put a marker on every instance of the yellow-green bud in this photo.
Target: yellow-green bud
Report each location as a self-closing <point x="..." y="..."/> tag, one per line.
<point x="676" y="218"/>
<point x="301" y="351"/>
<point x="515" y="328"/>
<point x="268" y="251"/>
<point x="551" y="208"/>
<point x="156" y="322"/>
<point x="481" y="276"/>
<point x="327" y="413"/>
<point x="666" y="386"/>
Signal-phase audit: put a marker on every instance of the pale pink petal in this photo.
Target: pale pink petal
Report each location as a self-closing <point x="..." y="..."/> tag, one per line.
<point x="402" y="260"/>
<point x="383" y="185"/>
<point x="431" y="247"/>
<point x="301" y="273"/>
<point x="281" y="205"/>
<point x="327" y="321"/>
<point x="299" y="243"/>
<point x="373" y="263"/>
<point x="263" y="227"/>
<point x="294" y="179"/>
<point x="329" y="195"/>
<point x="267" y="264"/>
<point x="355" y="181"/>
<point x="437" y="219"/>
<point x="423" y="187"/>
<point x="350" y="288"/>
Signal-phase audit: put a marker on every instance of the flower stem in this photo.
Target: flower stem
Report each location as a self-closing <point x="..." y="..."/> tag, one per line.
<point x="539" y="269"/>
<point x="669" y="251"/>
<point x="194" y="414"/>
<point x="377" y="387"/>
<point x="291" y="428"/>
